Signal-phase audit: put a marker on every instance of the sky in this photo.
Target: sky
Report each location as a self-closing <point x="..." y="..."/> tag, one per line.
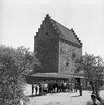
<point x="20" y="20"/>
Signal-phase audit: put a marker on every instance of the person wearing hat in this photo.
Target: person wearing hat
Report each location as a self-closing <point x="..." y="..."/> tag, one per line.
<point x="93" y="101"/>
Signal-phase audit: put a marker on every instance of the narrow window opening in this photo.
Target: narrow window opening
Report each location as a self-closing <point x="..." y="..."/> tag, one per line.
<point x="67" y="63"/>
<point x="46" y="33"/>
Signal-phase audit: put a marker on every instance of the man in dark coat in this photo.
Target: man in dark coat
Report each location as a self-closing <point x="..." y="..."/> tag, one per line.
<point x="32" y="88"/>
<point x="80" y="89"/>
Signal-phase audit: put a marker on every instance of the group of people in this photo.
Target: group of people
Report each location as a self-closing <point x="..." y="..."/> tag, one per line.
<point x="52" y="86"/>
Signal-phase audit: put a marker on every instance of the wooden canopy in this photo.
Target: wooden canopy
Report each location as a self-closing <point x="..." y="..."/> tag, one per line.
<point x="49" y="76"/>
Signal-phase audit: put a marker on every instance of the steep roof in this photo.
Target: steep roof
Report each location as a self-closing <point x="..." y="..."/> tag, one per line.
<point x="65" y="33"/>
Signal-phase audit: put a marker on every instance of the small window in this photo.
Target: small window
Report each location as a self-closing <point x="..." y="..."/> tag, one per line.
<point x="67" y="63"/>
<point x="50" y="57"/>
<point x="46" y="33"/>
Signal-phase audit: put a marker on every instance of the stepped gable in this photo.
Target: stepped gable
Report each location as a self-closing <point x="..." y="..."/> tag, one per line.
<point x="64" y="32"/>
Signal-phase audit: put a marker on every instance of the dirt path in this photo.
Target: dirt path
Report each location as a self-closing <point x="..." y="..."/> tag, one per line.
<point x="60" y="98"/>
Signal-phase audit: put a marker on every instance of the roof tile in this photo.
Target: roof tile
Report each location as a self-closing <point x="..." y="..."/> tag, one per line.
<point x="66" y="33"/>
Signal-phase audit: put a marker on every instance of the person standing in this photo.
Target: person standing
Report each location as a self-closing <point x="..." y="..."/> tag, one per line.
<point x="81" y="90"/>
<point x="36" y="88"/>
<point x="75" y="87"/>
<point x="32" y="88"/>
<point x="40" y="88"/>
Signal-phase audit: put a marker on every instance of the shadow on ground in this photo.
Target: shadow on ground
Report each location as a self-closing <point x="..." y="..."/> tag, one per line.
<point x="36" y="95"/>
<point x="75" y="96"/>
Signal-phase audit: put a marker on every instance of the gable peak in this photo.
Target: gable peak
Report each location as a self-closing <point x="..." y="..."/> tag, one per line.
<point x="47" y="16"/>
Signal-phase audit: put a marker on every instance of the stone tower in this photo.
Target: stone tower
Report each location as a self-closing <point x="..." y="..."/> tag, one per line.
<point x="57" y="47"/>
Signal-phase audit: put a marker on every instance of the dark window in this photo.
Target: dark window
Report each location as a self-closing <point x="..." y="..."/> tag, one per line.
<point x="67" y="63"/>
<point x="50" y="57"/>
<point x="46" y="33"/>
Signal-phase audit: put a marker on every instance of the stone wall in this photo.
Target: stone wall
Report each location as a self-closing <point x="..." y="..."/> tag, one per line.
<point x="67" y="55"/>
<point x="46" y="46"/>
<point x="55" y="54"/>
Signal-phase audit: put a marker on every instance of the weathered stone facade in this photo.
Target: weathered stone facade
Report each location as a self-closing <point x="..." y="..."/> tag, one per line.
<point x="55" y="53"/>
<point x="67" y="55"/>
<point x="46" y="46"/>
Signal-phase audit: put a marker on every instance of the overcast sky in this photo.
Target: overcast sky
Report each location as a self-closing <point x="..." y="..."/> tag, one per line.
<point x="20" y="20"/>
